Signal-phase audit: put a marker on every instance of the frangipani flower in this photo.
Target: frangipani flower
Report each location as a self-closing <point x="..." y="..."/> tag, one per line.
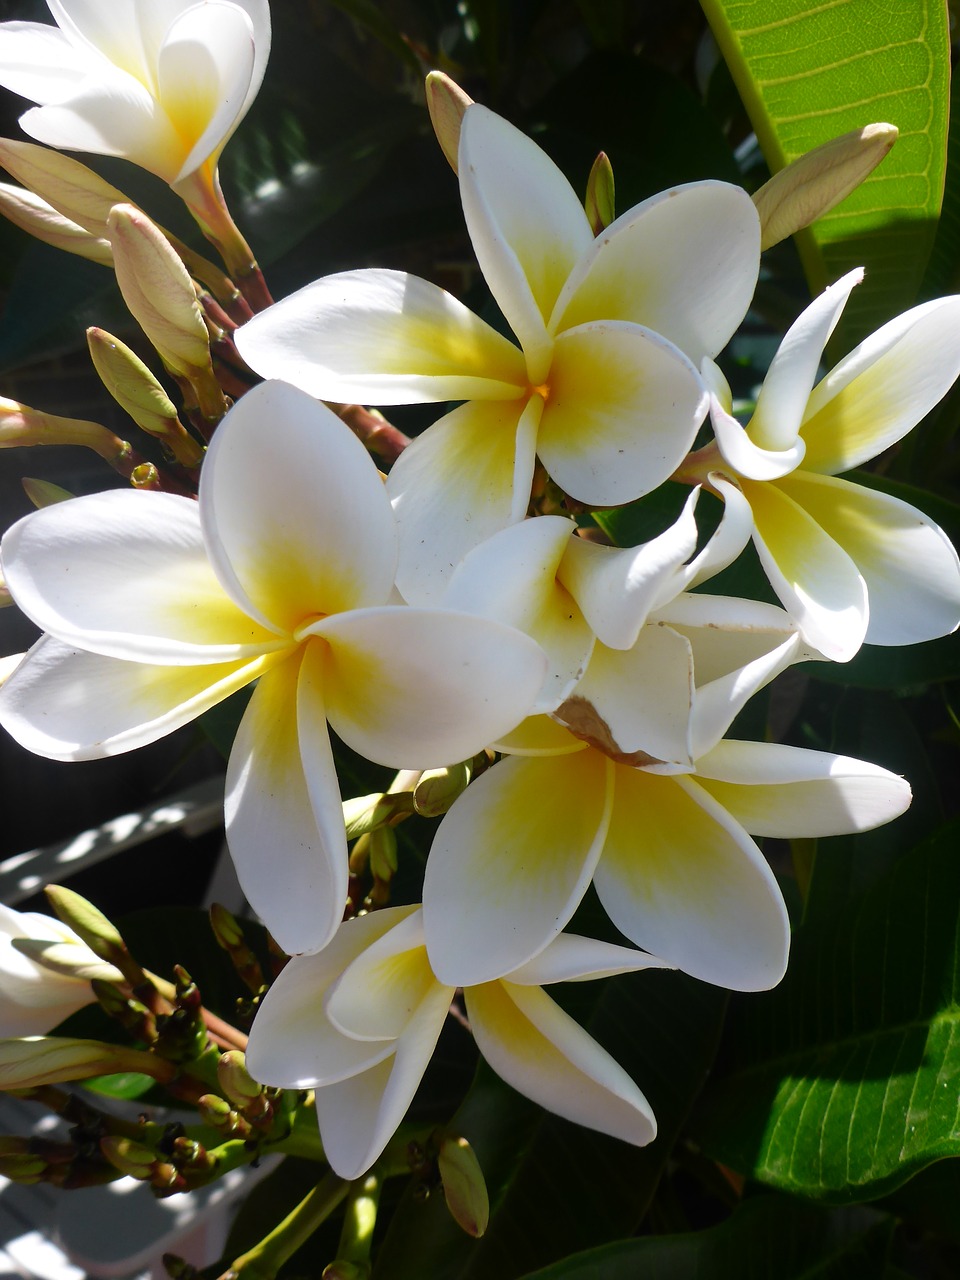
<point x="161" y="84"/>
<point x="359" y="1022"/>
<point x="34" y="997"/>
<point x="157" y="608"/>
<point x="568" y="593"/>
<point x="669" y="854"/>
<point x="602" y="387"/>
<point x="849" y="563"/>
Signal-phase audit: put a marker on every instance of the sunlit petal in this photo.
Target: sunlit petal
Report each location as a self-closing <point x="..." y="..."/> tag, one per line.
<point x="511" y="861"/>
<point x="683" y="263"/>
<point x="777" y="790"/>
<point x="681" y="878"/>
<point x="817" y="581"/>
<point x="460" y="482"/>
<point x="723" y="546"/>
<point x="623" y="408"/>
<point x="421" y="688"/>
<point x="39" y="62"/>
<point x="782" y="402"/>
<point x="617" y="588"/>
<point x="642" y="697"/>
<point x="908" y="563"/>
<point x="527" y="225"/>
<point x="126" y="574"/>
<point x="71" y="705"/>
<point x="572" y="958"/>
<point x="513" y="577"/>
<point x="294" y="513"/>
<point x="744" y="455"/>
<point x="283" y="810"/>
<point x="539" y="736"/>
<point x="883" y="388"/>
<point x="382" y="337"/>
<point x="541" y="1052"/>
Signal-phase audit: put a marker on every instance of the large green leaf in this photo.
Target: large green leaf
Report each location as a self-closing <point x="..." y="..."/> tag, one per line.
<point x="768" y="1236"/>
<point x="842" y="1083"/>
<point x="808" y="72"/>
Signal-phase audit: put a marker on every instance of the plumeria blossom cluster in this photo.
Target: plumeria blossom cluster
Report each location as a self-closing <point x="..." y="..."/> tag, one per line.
<point x="460" y="620"/>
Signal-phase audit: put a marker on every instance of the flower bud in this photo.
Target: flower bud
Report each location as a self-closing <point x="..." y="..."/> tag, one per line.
<point x="235" y="1080"/>
<point x="363" y="814"/>
<point x="36" y="1060"/>
<point x="69" y="186"/>
<point x="91" y="926"/>
<point x="159" y="292"/>
<point x="464" y="1188"/>
<point x="32" y="214"/>
<point x="438" y="788"/>
<point x="813" y="184"/>
<point x="130" y="1157"/>
<point x="446" y="102"/>
<point x="383" y="853"/>
<point x="139" y="394"/>
<point x="44" y="493"/>
<point x="599" y="203"/>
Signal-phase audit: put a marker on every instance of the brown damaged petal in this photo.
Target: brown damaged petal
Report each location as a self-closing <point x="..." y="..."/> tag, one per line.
<point x="585" y="722"/>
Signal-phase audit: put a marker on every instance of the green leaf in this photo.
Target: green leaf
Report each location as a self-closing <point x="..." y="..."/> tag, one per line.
<point x="808" y="72"/>
<point x="768" y="1236"/>
<point x="841" y="1084"/>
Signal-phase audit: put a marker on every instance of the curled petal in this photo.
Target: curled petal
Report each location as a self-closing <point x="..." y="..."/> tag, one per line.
<point x="817" y="581"/>
<point x="782" y="403"/>
<point x="294" y="513"/>
<point x="683" y="263"/>
<point x="293" y="1044"/>
<point x="908" y="563"/>
<point x="883" y="388"/>
<point x="680" y="877"/>
<point x="777" y="790"/>
<point x="467" y="477"/>
<point x="511" y="861"/>
<point x="282" y="807"/>
<point x="623" y="408"/>
<point x="66" y="704"/>
<point x="723" y="546"/>
<point x="126" y="574"/>
<point x="744" y="455"/>
<point x="382" y="337"/>
<point x="541" y="1052"/>
<point x="573" y="958"/>
<point x="527" y="225"/>
<point x="421" y="688"/>
<point x="512" y="577"/>
<point x="616" y="589"/>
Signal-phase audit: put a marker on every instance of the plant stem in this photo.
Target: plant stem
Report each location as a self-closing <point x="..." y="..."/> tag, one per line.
<point x="265" y="1259"/>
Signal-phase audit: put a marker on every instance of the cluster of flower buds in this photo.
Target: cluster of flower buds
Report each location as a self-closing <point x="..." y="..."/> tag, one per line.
<point x="562" y="704"/>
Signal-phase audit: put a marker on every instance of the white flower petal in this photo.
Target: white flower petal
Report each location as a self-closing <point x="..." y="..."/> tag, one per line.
<point x="908" y="563"/>
<point x="539" y="736"/>
<point x="746" y="457"/>
<point x="526" y="223"/>
<point x="883" y="388"/>
<point x="512" y="577"/>
<point x="294" y="513"/>
<point x="380" y="991"/>
<point x="69" y="705"/>
<point x="623" y="408"/>
<point x="508" y="867"/>
<point x="684" y="263"/>
<point x="358" y="1117"/>
<point x="724" y="545"/>
<point x="422" y="688"/>
<point x="817" y="581"/>
<point x="293" y="1044"/>
<point x="616" y="588"/>
<point x="382" y="337"/>
<point x="681" y="878"/>
<point x="283" y="810"/>
<point x="642" y="696"/>
<point x="541" y="1052"/>
<point x="457" y="484"/>
<point x="782" y="403"/>
<point x="41" y="63"/>
<point x="777" y="790"/>
<point x="126" y="574"/>
<point x="204" y="71"/>
<point x="572" y="958"/>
